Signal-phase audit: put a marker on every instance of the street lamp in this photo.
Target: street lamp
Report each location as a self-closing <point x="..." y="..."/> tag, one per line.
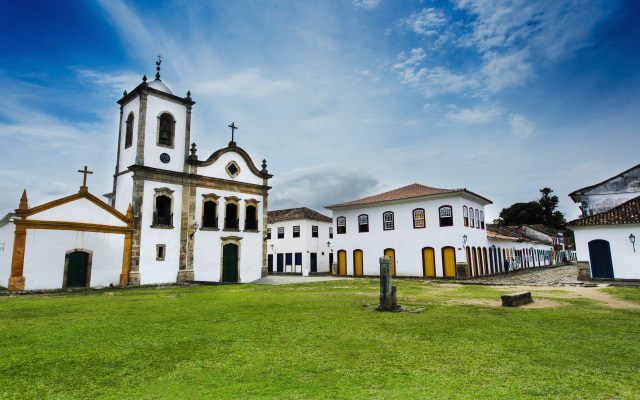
<point x="464" y="241"/>
<point x="632" y="239"/>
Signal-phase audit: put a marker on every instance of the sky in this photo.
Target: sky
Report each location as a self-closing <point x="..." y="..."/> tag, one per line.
<point x="343" y="98"/>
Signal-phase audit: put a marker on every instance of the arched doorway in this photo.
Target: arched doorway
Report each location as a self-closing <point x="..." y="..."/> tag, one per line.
<point x="357" y="262"/>
<point x="342" y="262"/>
<point x="77" y="272"/>
<point x="391" y="253"/>
<point x="470" y="270"/>
<point x="428" y="262"/>
<point x="230" y="263"/>
<point x="475" y="261"/>
<point x="449" y="261"/>
<point x="600" y="257"/>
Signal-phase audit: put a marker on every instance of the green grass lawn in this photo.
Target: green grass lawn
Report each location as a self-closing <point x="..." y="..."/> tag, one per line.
<point x="318" y="340"/>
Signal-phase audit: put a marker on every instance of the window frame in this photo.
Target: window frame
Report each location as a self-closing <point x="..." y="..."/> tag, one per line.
<point x="388" y="225"/>
<point x="465" y="215"/>
<point x="331" y="232"/>
<point x="424" y="222"/>
<point x="449" y="218"/>
<point x="172" y="130"/>
<point x="481" y="220"/>
<point x="343" y="226"/>
<point x="296" y="234"/>
<point x="281" y="232"/>
<point x="363" y="227"/>
<point x="268" y="233"/>
<point x="314" y="231"/>
<point x="128" y="135"/>
<point x="472" y="223"/>
<point x="162" y="192"/>
<point x="477" y="219"/>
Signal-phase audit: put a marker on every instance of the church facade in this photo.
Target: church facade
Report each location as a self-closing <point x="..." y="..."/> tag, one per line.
<point x="184" y="219"/>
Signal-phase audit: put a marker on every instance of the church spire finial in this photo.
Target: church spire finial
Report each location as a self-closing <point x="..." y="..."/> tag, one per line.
<point x="158" y="67"/>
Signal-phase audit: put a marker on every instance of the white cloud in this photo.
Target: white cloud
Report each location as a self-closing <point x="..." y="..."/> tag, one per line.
<point x="127" y="80"/>
<point x="426" y="21"/>
<point x="475" y="115"/>
<point x="247" y="83"/>
<point x="435" y="81"/>
<point x="368" y="4"/>
<point x="521" y="128"/>
<point x="506" y="70"/>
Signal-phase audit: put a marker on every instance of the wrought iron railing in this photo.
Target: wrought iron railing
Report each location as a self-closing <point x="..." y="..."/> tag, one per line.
<point x="231" y="223"/>
<point x="210" y="221"/>
<point x="162" y="220"/>
<point x="250" y="225"/>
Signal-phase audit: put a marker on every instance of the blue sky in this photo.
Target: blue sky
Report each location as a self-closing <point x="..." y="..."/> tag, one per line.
<point x="344" y="98"/>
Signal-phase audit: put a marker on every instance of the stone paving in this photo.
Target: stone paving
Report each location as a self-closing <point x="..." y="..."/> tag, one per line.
<point x="546" y="276"/>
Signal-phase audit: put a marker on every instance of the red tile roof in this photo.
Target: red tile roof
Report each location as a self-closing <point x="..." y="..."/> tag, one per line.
<point x="293" y="214"/>
<point x="407" y="192"/>
<point x="626" y="213"/>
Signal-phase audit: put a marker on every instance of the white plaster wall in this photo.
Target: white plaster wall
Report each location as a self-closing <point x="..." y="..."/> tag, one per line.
<point x="45" y="252"/>
<point x="151" y="270"/>
<point x="128" y="155"/>
<point x="81" y="210"/>
<point x="404" y="239"/>
<point x="207" y="256"/>
<point x="152" y="151"/>
<point x="305" y="244"/>
<point x="7" y="233"/>
<point x="626" y="263"/>
<point x="124" y="192"/>
<point x="217" y="169"/>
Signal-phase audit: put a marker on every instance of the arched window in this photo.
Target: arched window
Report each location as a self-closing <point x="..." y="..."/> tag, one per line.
<point x="481" y="220"/>
<point x="471" y="216"/>
<point x="269" y="234"/>
<point x="363" y="223"/>
<point x="387" y="219"/>
<point x="446" y="216"/>
<point x="418" y="218"/>
<point x="251" y="215"/>
<point x="166" y="130"/>
<point x="210" y="215"/>
<point x="342" y="225"/>
<point x="231" y="220"/>
<point x="477" y="219"/>
<point x="163" y="207"/>
<point x="465" y="214"/>
<point x="128" y="137"/>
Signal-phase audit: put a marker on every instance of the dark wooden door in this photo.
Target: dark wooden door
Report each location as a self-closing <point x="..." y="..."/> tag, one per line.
<point x="270" y="263"/>
<point x="313" y="262"/>
<point x="230" y="263"/>
<point x="280" y="260"/>
<point x="600" y="255"/>
<point x="77" y="269"/>
<point x="330" y="261"/>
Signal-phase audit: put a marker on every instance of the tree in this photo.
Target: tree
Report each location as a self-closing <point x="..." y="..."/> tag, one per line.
<point x="542" y="211"/>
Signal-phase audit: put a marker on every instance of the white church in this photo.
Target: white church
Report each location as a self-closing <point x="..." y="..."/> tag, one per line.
<point x="171" y="218"/>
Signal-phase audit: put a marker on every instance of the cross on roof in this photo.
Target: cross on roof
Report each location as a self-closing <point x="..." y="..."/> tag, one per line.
<point x="85" y="172"/>
<point x="233" y="129"/>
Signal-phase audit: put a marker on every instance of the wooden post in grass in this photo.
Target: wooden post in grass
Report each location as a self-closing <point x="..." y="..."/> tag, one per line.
<point x="388" y="299"/>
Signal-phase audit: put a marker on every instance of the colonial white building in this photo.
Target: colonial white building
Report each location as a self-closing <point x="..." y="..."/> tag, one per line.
<point x="299" y="240"/>
<point x="172" y="218"/>
<point x="424" y="231"/>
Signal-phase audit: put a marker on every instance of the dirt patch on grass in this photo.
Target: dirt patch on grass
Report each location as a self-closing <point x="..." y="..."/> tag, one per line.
<point x="591" y="293"/>
<point x="537" y="303"/>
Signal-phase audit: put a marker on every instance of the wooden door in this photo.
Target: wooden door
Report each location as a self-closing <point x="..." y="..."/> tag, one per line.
<point x="428" y="262"/>
<point x="77" y="269"/>
<point x="391" y="253"/>
<point x="357" y="262"/>
<point x="313" y="262"/>
<point x="600" y="257"/>
<point x="270" y="263"/>
<point x="230" y="263"/>
<point x="449" y="261"/>
<point x="280" y="262"/>
<point x="342" y="262"/>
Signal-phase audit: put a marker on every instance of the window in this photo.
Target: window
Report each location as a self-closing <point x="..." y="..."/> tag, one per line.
<point x="481" y="220"/>
<point x="477" y="220"/>
<point x="231" y="221"/>
<point x="465" y="215"/>
<point x="471" y="215"/>
<point x="161" y="250"/>
<point x="418" y="218"/>
<point x="296" y="231"/>
<point x="314" y="230"/>
<point x="251" y="218"/>
<point x="166" y="130"/>
<point x="281" y="232"/>
<point x="446" y="217"/>
<point x="128" y="137"/>
<point x="342" y="225"/>
<point x="387" y="219"/>
<point x="210" y="214"/>
<point x="331" y="233"/>
<point x="163" y="208"/>
<point x="268" y="233"/>
<point x="298" y="258"/>
<point x="363" y="223"/>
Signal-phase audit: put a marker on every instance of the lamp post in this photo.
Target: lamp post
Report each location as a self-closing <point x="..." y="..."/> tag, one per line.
<point x="464" y="241"/>
<point x="632" y="239"/>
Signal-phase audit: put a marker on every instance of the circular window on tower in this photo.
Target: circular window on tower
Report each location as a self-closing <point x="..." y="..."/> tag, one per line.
<point x="232" y="169"/>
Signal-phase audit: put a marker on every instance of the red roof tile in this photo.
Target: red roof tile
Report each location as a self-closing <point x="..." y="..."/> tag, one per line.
<point x="407" y="192"/>
<point x="626" y="213"/>
<point x="293" y="214"/>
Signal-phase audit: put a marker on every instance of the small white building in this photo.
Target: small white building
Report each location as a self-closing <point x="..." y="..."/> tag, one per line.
<point x="606" y="241"/>
<point x="519" y="247"/>
<point x="424" y="230"/>
<point x="299" y="240"/>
